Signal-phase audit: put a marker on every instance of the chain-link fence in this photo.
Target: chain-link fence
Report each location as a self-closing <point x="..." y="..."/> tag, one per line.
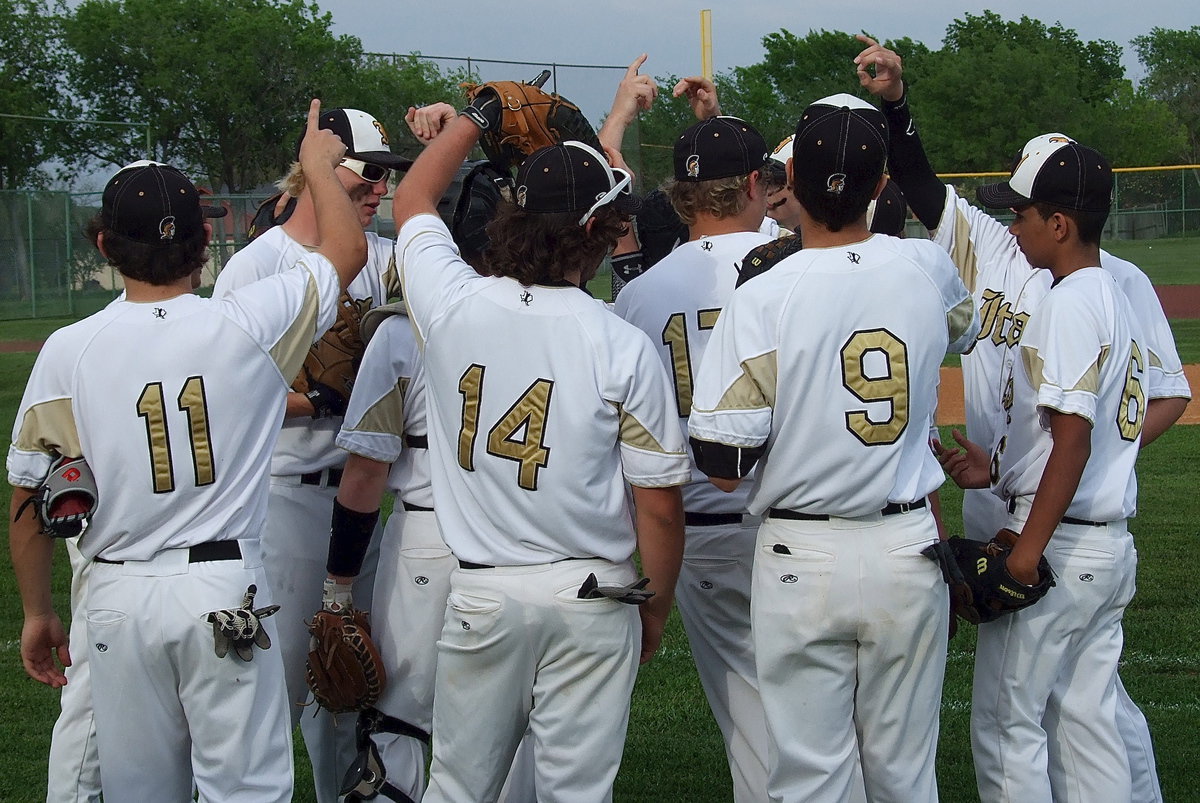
<point x="49" y="269"/>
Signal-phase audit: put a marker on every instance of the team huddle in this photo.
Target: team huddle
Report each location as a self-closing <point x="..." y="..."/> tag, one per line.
<point x="752" y="418"/>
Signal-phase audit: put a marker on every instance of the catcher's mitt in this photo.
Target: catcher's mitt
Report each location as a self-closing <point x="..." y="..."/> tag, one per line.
<point x="528" y="119"/>
<point x="981" y="588"/>
<point x="66" y="499"/>
<point x="766" y="256"/>
<point x="344" y="670"/>
<point x="331" y="364"/>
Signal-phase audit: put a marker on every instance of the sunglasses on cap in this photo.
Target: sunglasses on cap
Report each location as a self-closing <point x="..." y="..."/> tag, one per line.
<point x="370" y="173"/>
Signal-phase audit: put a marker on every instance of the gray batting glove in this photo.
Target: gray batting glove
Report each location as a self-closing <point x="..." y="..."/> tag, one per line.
<point x="632" y="594"/>
<point x="241" y="628"/>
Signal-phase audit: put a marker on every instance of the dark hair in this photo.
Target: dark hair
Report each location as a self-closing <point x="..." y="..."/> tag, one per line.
<point x="153" y="264"/>
<point x="534" y="247"/>
<point x="835" y="210"/>
<point x="1089" y="225"/>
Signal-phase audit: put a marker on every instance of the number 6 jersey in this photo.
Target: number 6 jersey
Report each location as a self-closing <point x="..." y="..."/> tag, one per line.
<point x="541" y="404"/>
<point x="176" y="405"/>
<point x="829" y="362"/>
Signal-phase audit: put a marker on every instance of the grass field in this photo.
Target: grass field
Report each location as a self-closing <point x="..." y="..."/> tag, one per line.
<point x="674" y="751"/>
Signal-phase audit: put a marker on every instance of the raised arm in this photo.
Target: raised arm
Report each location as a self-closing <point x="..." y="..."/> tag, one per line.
<point x="635" y="94"/>
<point x="427" y="122"/>
<point x="342" y="240"/>
<point x="907" y="162"/>
<point x="435" y="168"/>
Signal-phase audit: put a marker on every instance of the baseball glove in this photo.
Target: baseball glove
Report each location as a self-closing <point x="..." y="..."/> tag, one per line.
<point x="766" y="256"/>
<point x="519" y="118"/>
<point x="66" y="499"/>
<point x="331" y="364"/>
<point x="344" y="670"/>
<point x="981" y="588"/>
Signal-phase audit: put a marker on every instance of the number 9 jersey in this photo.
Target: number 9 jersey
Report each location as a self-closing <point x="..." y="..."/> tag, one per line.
<point x="828" y="365"/>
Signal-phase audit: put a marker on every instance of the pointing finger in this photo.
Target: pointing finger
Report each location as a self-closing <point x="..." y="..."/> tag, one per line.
<point x="314" y="114"/>
<point x="637" y="64"/>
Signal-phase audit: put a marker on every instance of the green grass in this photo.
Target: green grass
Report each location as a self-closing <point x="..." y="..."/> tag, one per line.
<point x="1166" y="261"/>
<point x="674" y="751"/>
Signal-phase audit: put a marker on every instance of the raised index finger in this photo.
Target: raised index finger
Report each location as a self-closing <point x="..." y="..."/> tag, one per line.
<point x="314" y="114"/>
<point x="637" y="64"/>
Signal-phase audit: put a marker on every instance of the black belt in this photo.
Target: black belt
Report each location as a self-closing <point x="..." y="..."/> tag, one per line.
<point x="1012" y="507"/>
<point x="1083" y="522"/>
<point x="711" y="519"/>
<point x="466" y="564"/>
<point x="410" y="507"/>
<point x="332" y="478"/>
<point x="200" y="553"/>
<point x="890" y="510"/>
<point x="416" y="441"/>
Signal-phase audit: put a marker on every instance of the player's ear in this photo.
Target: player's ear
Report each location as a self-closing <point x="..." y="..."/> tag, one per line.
<point x="100" y="244"/>
<point x="1061" y="226"/>
<point x="879" y="187"/>
<point x="208" y="231"/>
<point x="791" y="182"/>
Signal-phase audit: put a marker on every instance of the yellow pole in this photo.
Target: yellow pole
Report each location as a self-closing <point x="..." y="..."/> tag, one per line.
<point x="706" y="66"/>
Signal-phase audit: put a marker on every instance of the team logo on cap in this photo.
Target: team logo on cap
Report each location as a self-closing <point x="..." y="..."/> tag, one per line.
<point x="166" y="228"/>
<point x="382" y="133"/>
<point x="1061" y="140"/>
<point x="522" y="195"/>
<point x="836" y="183"/>
<point x="693" y="166"/>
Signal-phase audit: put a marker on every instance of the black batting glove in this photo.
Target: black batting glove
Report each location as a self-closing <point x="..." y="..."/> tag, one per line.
<point x="485" y="110"/>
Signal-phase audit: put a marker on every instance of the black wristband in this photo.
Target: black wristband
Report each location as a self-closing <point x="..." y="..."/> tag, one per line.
<point x="349" y="536"/>
<point x="325" y="400"/>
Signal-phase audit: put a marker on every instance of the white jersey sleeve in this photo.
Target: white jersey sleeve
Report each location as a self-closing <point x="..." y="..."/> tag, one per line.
<point x="385" y="419"/>
<point x="432" y="273"/>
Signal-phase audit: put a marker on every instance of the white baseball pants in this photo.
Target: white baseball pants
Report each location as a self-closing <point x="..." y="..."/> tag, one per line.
<point x="168" y="710"/>
<point x="518" y="649"/>
<point x="295" y="545"/>
<point x="1044" y="706"/>
<point x="850" y="643"/>
<point x="713" y="595"/>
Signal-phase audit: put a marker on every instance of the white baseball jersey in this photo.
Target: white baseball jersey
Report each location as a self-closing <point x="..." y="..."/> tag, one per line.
<point x="541" y="404"/>
<point x="1007" y="289"/>
<point x="677" y="305"/>
<point x="307" y="445"/>
<point x="178" y="432"/>
<point x="834" y="354"/>
<point x="1082" y="353"/>
<point x="388" y="406"/>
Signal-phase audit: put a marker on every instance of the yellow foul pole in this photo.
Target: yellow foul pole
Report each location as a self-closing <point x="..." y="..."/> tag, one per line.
<point x="706" y="65"/>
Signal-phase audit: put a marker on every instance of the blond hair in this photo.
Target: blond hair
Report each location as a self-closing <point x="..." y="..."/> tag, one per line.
<point x="718" y="197"/>
<point x="292" y="182"/>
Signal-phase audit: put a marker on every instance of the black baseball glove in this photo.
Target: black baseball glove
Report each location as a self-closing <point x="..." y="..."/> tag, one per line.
<point x="981" y="588"/>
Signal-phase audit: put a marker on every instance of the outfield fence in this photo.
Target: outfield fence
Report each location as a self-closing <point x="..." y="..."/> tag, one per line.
<point x="49" y="269"/>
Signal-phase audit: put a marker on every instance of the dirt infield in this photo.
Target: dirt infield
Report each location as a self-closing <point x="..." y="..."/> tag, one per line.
<point x="951" y="405"/>
<point x="1180" y="300"/>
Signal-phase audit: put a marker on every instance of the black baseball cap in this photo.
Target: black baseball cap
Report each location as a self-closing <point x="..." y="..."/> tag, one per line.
<point x="364" y="137"/>
<point x="571" y="177"/>
<point x="888" y="213"/>
<point x="1057" y="170"/>
<point x="840" y="144"/>
<point x="719" y="147"/>
<point x="154" y="204"/>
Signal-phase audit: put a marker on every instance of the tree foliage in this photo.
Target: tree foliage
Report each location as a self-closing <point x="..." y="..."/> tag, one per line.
<point x="224" y="83"/>
<point x="1172" y="61"/>
<point x="30" y="86"/>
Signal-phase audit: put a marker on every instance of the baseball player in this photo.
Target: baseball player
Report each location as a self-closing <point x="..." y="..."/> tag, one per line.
<point x="718" y="192"/>
<point x="307" y="466"/>
<point x="814" y="373"/>
<point x="182" y="700"/>
<point x="541" y="405"/>
<point x="1046" y="676"/>
<point x="1006" y="289"/>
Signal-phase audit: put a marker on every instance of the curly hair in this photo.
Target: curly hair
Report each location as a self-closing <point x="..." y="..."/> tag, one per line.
<point x="719" y="197"/>
<point x="536" y="248"/>
<point x="153" y="264"/>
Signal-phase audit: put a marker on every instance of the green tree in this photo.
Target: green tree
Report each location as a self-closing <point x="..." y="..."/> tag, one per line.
<point x="1172" y="61"/>
<point x="31" y="86"/>
<point x="223" y="83"/>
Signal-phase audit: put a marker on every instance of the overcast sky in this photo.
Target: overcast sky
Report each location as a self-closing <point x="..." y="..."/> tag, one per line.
<point x="615" y="31"/>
